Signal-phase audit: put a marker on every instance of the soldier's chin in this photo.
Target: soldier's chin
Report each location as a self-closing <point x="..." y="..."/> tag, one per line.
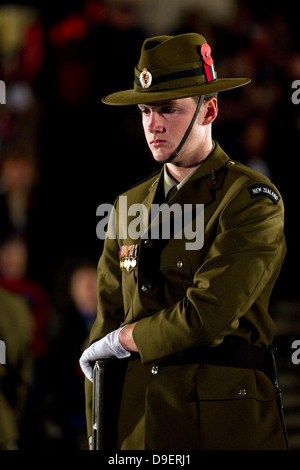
<point x="162" y="157"/>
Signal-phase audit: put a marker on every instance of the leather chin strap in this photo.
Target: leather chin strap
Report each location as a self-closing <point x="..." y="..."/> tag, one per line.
<point x="187" y="133"/>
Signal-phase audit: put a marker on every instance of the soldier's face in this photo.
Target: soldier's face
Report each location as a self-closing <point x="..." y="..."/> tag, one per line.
<point x="165" y="124"/>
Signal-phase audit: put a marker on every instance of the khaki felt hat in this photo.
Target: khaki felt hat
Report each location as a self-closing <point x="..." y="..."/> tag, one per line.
<point x="172" y="67"/>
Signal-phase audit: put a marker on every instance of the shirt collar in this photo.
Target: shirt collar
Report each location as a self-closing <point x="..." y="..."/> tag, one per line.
<point x="169" y="182"/>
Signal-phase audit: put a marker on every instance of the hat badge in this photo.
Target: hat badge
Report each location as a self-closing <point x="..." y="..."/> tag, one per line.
<point x="145" y="78"/>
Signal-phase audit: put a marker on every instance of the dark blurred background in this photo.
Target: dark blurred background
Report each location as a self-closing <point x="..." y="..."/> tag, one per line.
<point x="63" y="153"/>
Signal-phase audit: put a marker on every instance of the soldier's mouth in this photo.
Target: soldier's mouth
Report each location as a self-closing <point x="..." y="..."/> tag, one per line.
<point x="157" y="142"/>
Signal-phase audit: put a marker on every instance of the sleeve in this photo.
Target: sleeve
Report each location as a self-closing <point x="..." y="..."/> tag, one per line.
<point x="110" y="312"/>
<point x="242" y="262"/>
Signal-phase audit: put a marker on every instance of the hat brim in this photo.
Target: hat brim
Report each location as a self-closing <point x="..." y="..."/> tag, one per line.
<point x="131" y="97"/>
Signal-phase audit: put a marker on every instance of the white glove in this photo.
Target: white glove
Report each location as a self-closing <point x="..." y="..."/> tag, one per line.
<point x="107" y="347"/>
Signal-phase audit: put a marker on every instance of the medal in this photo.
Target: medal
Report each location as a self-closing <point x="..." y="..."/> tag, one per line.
<point x="127" y="263"/>
<point x="128" y="256"/>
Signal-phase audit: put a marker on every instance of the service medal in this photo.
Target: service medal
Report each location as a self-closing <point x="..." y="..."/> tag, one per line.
<point x="128" y="256"/>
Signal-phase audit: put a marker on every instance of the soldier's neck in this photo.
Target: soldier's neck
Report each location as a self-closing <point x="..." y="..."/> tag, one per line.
<point x="182" y="166"/>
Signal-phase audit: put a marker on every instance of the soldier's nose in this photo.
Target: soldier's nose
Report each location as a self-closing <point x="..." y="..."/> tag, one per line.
<point x="154" y="124"/>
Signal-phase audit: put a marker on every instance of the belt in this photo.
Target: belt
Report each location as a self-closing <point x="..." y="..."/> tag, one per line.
<point x="234" y="352"/>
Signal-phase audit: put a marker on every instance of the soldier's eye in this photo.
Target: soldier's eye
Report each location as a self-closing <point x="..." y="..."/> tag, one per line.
<point x="167" y="110"/>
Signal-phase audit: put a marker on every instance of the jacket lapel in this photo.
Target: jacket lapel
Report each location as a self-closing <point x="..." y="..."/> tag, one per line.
<point x="199" y="189"/>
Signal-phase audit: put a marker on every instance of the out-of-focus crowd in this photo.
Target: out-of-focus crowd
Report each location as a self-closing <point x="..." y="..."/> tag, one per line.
<point x="62" y="153"/>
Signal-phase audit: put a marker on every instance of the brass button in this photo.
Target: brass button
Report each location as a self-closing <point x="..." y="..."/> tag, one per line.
<point x="242" y="392"/>
<point x="179" y="264"/>
<point x="231" y="162"/>
<point x="155" y="370"/>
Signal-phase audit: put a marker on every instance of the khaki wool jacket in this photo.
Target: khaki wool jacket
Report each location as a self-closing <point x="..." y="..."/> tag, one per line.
<point x="189" y="299"/>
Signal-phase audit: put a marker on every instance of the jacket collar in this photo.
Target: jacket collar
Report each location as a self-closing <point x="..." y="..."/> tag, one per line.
<point x="199" y="189"/>
<point x="203" y="191"/>
<point x="215" y="160"/>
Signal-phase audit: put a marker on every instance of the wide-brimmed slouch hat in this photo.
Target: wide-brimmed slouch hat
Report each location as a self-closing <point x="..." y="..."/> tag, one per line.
<point x="172" y="67"/>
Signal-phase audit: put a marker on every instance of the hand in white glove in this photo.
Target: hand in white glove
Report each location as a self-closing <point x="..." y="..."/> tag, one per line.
<point x="107" y="347"/>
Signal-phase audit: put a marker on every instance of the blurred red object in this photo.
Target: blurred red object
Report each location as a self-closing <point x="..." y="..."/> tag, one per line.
<point x="71" y="28"/>
<point x="33" y="52"/>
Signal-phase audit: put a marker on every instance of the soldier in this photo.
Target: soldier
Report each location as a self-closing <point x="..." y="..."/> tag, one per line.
<point x="193" y="323"/>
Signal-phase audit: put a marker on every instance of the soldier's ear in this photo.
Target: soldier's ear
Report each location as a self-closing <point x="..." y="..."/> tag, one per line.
<point x="210" y="111"/>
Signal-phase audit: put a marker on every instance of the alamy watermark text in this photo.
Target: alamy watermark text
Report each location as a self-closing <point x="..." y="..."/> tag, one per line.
<point x="163" y="222"/>
<point x="2" y="92"/>
<point x="2" y="352"/>
<point x="296" y="353"/>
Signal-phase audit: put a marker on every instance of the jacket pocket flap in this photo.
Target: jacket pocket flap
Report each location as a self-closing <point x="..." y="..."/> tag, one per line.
<point x="230" y="383"/>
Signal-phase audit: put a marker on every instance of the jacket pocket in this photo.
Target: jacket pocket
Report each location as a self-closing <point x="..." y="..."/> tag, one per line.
<point x="237" y="409"/>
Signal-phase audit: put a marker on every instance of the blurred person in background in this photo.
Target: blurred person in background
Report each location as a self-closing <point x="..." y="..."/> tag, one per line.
<point x="13" y="277"/>
<point x="19" y="201"/>
<point x="75" y="313"/>
<point x="16" y="372"/>
<point x="17" y="178"/>
<point x="255" y="138"/>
